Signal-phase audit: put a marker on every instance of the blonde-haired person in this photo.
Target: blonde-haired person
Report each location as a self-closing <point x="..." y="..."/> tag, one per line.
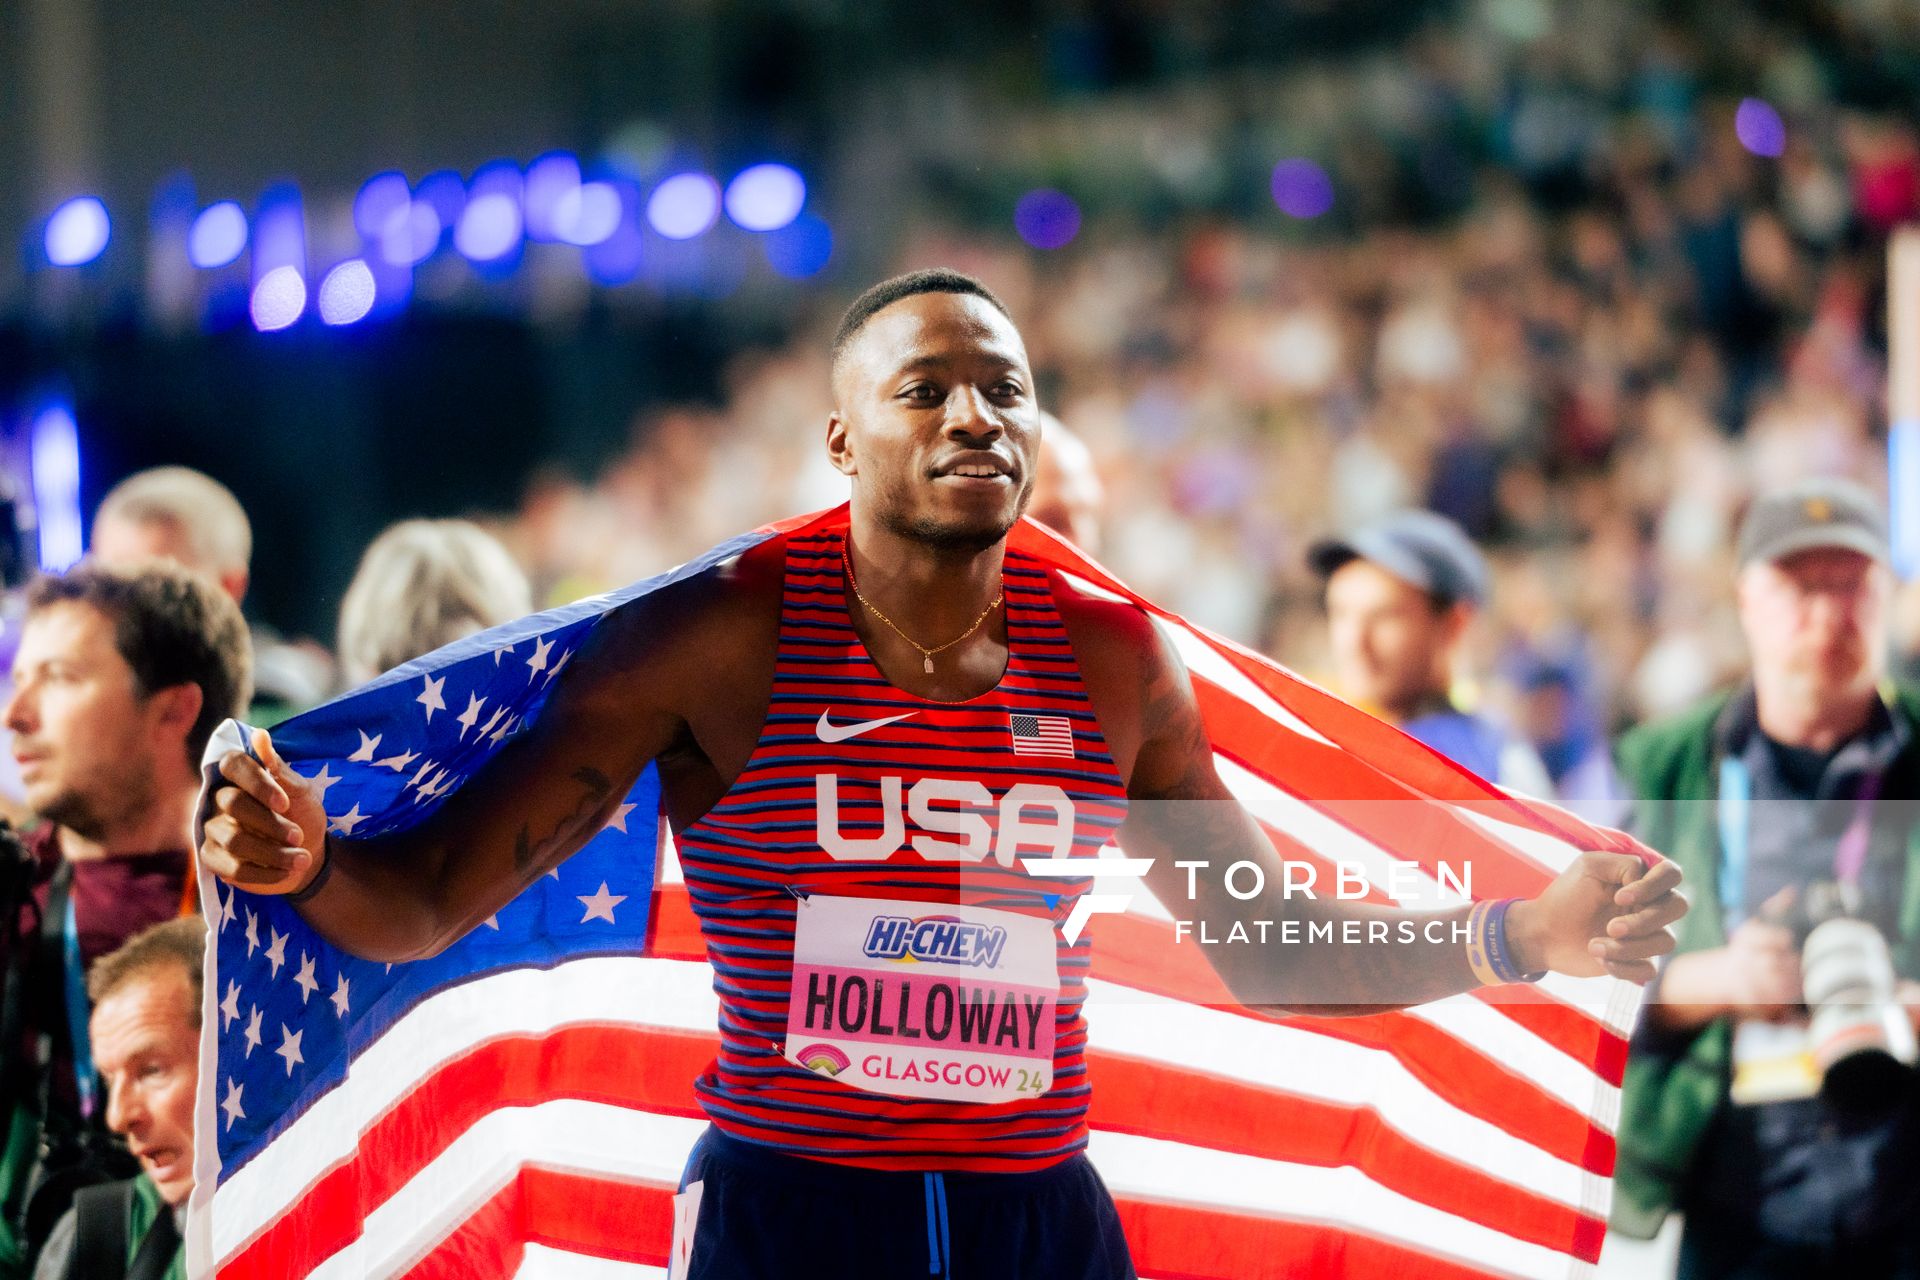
<point x="422" y="584"/>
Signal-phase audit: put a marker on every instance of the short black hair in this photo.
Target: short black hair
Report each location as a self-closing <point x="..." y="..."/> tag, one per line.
<point x="888" y="292"/>
<point x="173" y="627"/>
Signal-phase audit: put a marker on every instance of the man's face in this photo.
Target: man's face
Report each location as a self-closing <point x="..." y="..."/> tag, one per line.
<point x="1817" y="617"/>
<point x="146" y="1046"/>
<point x="1391" y="646"/>
<point x="937" y="423"/>
<point x="84" y="738"/>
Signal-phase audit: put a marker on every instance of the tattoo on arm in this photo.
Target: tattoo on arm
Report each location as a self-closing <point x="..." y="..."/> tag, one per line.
<point x="532" y="857"/>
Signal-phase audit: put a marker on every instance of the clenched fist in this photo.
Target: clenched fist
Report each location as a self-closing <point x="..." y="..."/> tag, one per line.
<point x="269" y="834"/>
<point x="1606" y="913"/>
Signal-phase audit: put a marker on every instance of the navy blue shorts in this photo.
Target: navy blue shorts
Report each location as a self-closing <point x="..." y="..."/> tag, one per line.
<point x="765" y="1215"/>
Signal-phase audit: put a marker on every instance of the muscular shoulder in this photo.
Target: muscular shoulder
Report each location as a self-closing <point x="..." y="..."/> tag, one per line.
<point x="691" y="637"/>
<point x="1128" y="665"/>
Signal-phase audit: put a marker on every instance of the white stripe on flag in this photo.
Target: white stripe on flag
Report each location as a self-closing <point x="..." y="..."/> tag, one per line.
<point x="565" y="1134"/>
<point x="1305" y="1064"/>
<point x="1307" y="1193"/>
<point x="620" y="990"/>
<point x="543" y="1263"/>
<point x="678" y="995"/>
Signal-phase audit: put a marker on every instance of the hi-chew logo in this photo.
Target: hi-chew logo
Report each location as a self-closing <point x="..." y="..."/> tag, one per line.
<point x="940" y="939"/>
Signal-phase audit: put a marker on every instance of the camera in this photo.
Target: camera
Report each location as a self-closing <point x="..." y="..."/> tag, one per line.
<point x="1860" y="1035"/>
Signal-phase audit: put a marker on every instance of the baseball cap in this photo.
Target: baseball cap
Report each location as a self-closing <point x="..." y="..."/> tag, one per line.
<point x="1425" y="550"/>
<point x="1821" y="512"/>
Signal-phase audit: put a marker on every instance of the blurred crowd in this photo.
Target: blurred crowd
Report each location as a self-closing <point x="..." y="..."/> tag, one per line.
<point x="1563" y="297"/>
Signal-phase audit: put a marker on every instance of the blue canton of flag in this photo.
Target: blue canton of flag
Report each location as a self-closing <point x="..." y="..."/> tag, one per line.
<point x="290" y="1015"/>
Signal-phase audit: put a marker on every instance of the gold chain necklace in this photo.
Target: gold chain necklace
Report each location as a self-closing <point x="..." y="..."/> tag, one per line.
<point x="926" y="654"/>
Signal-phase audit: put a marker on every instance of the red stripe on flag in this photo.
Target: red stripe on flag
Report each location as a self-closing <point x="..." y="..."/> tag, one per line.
<point x="655" y="1069"/>
<point x="573" y="1062"/>
<point x="580" y="1213"/>
<point x="1179" y="1242"/>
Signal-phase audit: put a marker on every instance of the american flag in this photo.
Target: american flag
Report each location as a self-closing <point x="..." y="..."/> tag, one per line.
<point x="1041" y="735"/>
<point x="521" y="1105"/>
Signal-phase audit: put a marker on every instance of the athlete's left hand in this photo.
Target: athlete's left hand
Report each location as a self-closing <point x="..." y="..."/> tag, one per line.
<point x="1606" y="913"/>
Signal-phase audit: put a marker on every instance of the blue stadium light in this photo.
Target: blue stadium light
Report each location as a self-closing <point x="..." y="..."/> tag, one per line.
<point x="1302" y="188"/>
<point x="1047" y="219"/>
<point x="346" y="294"/>
<point x="617" y="259"/>
<point x="218" y="235"/>
<point x="445" y="192"/>
<point x="489" y="227"/>
<point x="684" y="206"/>
<point x="589" y="214"/>
<point x="55" y="447"/>
<point x="383" y="195"/>
<point x="410" y="234"/>
<point x="800" y="249"/>
<point x="552" y="181"/>
<point x="765" y="197"/>
<point x="77" y="232"/>
<point x="278" y="299"/>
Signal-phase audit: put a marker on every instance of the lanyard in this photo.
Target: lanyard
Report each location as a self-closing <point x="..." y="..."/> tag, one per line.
<point x="78" y="1012"/>
<point x="1736" y="821"/>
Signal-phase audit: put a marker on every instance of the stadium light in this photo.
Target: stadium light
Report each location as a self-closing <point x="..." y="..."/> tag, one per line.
<point x="78" y="231"/>
<point x="217" y="236"/>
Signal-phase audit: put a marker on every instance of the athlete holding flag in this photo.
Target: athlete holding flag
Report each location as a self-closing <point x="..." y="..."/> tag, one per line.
<point x="863" y="734"/>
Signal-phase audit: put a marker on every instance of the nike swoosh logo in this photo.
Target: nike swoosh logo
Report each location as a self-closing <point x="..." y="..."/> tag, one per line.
<point x="831" y="732"/>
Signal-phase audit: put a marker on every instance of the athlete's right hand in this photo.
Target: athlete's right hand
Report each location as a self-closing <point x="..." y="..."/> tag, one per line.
<point x="269" y="832"/>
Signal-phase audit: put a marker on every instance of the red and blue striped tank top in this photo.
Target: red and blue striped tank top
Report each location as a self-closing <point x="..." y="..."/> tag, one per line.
<point x="888" y="834"/>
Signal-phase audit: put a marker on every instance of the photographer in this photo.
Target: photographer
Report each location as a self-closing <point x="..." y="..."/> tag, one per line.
<point x="119" y="680"/>
<point x="1786" y="803"/>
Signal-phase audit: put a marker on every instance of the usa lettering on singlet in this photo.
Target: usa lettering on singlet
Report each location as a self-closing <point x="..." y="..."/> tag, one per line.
<point x="894" y="989"/>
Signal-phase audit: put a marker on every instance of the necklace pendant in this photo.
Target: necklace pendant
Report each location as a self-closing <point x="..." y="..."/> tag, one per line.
<point x="926" y="664"/>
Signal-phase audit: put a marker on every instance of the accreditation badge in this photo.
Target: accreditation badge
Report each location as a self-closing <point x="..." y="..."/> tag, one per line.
<point x="923" y="999"/>
<point x="1772" y="1062"/>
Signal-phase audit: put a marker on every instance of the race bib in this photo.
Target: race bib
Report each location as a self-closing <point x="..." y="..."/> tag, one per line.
<point x="922" y="999"/>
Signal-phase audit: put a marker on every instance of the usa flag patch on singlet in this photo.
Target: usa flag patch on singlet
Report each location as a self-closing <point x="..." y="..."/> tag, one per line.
<point x="1041" y="735"/>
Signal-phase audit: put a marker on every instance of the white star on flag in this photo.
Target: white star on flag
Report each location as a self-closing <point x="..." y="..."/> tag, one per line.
<point x="253" y="1030"/>
<point x="505" y="729"/>
<point x="560" y="662"/>
<point x="501" y="652"/>
<point x="367" y="746"/>
<point x="600" y="905"/>
<point x="471" y="715"/>
<point x="425" y="769"/>
<point x="400" y="762"/>
<point x="492" y="922"/>
<point x="253" y="932"/>
<point x="230" y="1007"/>
<point x="290" y="1046"/>
<point x="538" y="662"/>
<point x="492" y="720"/>
<point x="305" y="980"/>
<point x="619" y="819"/>
<point x="430" y="696"/>
<point x="320" y="782"/>
<point x="276" y="950"/>
<point x="339" y="997"/>
<point x="347" y="821"/>
<point x="232" y="1105"/>
<point x="222" y="910"/>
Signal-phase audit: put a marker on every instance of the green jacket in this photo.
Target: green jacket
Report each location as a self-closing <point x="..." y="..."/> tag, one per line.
<point x="1669" y="1099"/>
